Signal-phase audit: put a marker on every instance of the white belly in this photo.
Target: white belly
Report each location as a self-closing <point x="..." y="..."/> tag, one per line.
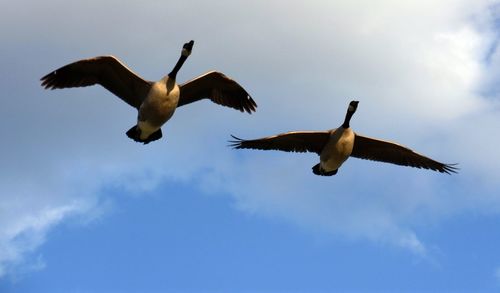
<point x="146" y="129"/>
<point x="333" y="163"/>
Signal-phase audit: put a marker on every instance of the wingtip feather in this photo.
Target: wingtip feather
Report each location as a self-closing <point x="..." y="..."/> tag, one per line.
<point x="450" y="169"/>
<point x="236" y="142"/>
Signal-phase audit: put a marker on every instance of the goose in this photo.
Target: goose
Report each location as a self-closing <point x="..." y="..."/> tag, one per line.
<point x="155" y="101"/>
<point x="335" y="146"/>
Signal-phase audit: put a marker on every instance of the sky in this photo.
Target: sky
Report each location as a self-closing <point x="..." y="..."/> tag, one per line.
<point x="85" y="209"/>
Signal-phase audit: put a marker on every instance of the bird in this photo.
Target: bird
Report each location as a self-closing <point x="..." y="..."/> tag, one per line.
<point x="335" y="146"/>
<point x="155" y="101"/>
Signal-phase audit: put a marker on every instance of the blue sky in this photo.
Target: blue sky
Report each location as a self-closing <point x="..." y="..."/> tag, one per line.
<point x="85" y="209"/>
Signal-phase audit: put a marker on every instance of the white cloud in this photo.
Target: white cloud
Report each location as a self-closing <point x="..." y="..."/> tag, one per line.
<point x="23" y="234"/>
<point x="418" y="68"/>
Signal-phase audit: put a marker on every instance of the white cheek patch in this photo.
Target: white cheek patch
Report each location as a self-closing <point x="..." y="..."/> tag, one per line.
<point x="351" y="108"/>
<point x="185" y="52"/>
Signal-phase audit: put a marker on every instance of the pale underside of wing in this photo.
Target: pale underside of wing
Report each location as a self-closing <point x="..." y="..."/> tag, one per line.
<point x="107" y="71"/>
<point x="295" y="141"/>
<point x="389" y="152"/>
<point x="220" y="89"/>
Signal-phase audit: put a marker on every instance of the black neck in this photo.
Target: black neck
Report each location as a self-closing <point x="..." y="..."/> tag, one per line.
<point x="177" y="66"/>
<point x="348" y="117"/>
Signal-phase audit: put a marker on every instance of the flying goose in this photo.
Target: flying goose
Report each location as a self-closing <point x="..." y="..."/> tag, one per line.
<point x="337" y="145"/>
<point x="155" y="101"/>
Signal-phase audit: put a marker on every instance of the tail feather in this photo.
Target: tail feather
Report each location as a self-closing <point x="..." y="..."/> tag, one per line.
<point x="134" y="133"/>
<point x="318" y="171"/>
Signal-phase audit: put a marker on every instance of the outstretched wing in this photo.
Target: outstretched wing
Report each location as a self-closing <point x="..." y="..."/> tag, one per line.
<point x="220" y="89"/>
<point x="295" y="141"/>
<point x="389" y="152"/>
<point x="104" y="70"/>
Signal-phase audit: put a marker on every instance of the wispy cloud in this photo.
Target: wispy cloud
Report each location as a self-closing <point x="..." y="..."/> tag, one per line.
<point x="24" y="234"/>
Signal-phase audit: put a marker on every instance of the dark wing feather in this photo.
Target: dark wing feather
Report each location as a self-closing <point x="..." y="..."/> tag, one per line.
<point x="104" y="70"/>
<point x="220" y="89"/>
<point x="389" y="152"/>
<point x="295" y="141"/>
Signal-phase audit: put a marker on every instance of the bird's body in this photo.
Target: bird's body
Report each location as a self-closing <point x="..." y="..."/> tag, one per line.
<point x="158" y="107"/>
<point x="335" y="146"/>
<point x="157" y="101"/>
<point x="337" y="150"/>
